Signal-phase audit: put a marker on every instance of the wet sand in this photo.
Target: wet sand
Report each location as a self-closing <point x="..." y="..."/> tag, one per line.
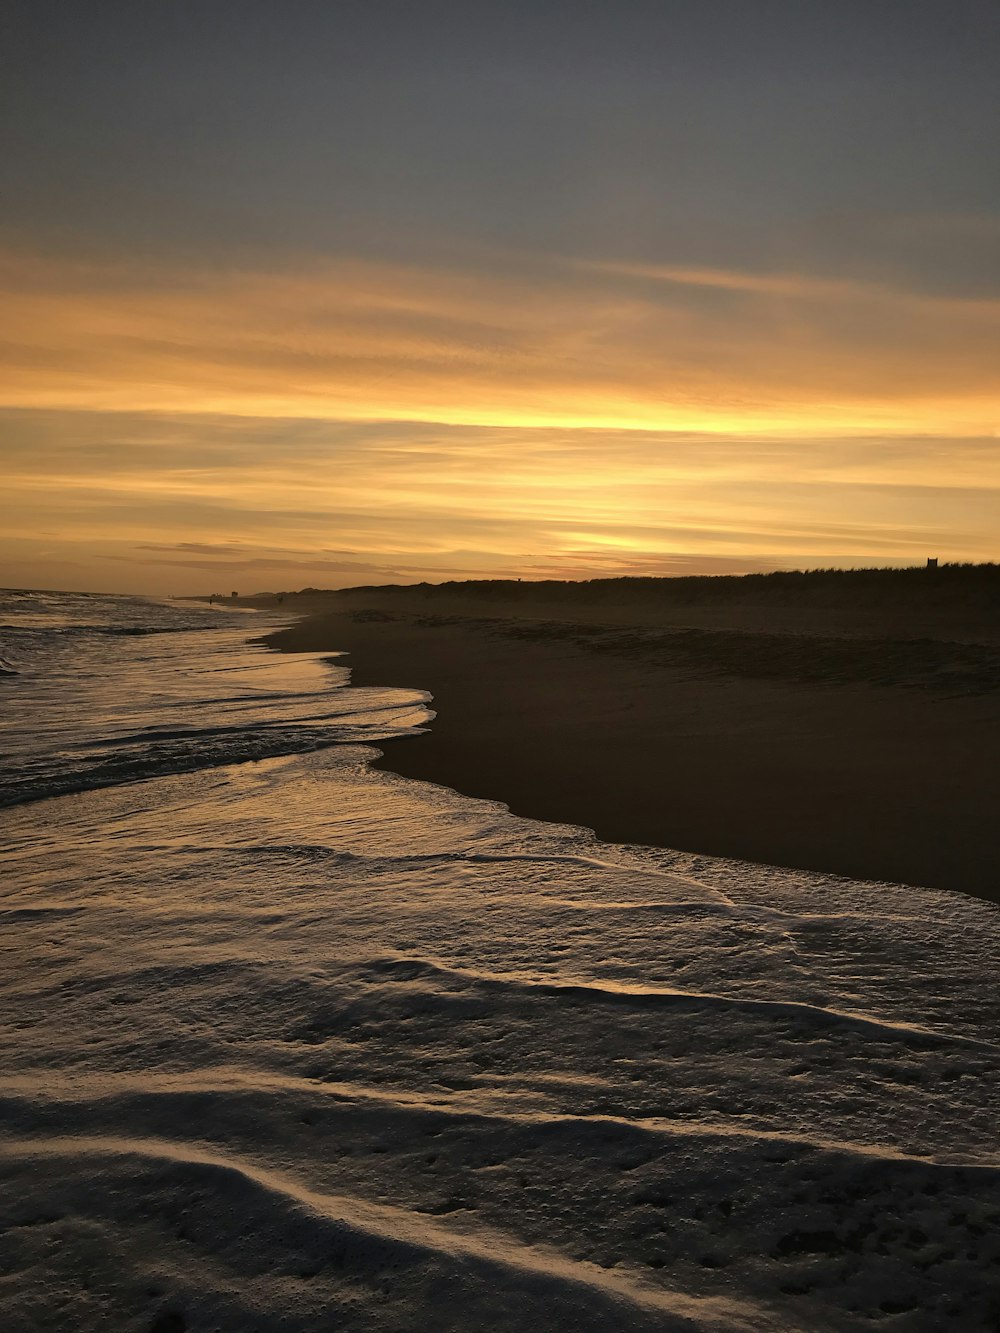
<point x="872" y="757"/>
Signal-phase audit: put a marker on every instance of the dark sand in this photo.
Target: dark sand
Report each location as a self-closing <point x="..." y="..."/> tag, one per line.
<point x="820" y="741"/>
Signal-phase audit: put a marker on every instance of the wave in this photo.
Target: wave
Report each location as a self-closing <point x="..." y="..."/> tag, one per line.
<point x="492" y="1280"/>
<point x="135" y="698"/>
<point x="194" y="750"/>
<point x="645" y="997"/>
<point x="230" y="1096"/>
<point x="102" y="630"/>
<point x="519" y="1218"/>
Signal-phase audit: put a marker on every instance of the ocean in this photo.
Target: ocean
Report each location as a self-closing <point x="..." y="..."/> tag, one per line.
<point x="290" y="1043"/>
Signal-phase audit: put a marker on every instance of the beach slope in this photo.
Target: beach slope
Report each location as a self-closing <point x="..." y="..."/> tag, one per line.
<point x="816" y="728"/>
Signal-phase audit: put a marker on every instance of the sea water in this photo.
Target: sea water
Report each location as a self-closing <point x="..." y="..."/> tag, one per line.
<point x="290" y="1043"/>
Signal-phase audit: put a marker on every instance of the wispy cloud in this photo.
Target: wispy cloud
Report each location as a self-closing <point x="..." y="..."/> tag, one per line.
<point x="609" y="345"/>
<point x="164" y="500"/>
<point x="342" y="422"/>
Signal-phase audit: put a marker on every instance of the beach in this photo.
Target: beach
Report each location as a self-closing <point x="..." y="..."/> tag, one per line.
<point x="849" y="738"/>
<point x="292" y="1042"/>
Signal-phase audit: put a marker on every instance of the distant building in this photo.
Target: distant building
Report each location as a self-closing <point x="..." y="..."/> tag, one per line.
<point x="236" y="594"/>
<point x="931" y="563"/>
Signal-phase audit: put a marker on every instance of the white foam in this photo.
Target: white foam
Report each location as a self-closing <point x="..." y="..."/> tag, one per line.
<point x="296" y="1044"/>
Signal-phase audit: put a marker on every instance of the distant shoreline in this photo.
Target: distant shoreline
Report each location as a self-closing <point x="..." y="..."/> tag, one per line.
<point x="787" y="737"/>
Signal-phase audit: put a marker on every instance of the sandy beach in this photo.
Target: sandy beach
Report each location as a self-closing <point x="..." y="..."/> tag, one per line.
<point x="848" y="734"/>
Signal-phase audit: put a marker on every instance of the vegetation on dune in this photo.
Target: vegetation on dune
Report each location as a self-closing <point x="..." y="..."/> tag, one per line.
<point x="952" y="585"/>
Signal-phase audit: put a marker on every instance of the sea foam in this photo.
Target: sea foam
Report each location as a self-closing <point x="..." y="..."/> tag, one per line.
<point x="297" y="1044"/>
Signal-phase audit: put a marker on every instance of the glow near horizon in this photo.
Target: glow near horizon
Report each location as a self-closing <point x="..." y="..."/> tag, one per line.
<point x="577" y="420"/>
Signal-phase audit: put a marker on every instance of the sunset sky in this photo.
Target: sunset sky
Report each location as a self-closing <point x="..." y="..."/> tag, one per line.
<point x="350" y="292"/>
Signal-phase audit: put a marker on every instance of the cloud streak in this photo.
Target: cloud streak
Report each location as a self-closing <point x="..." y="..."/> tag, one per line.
<point x="172" y="502"/>
<point x="599" y="345"/>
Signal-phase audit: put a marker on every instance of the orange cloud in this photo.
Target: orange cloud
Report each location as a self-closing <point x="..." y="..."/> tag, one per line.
<point x="160" y="503"/>
<point x="336" y="422"/>
<point x="562" y="346"/>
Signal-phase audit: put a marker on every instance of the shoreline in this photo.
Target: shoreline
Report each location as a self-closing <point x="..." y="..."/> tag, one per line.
<point x="739" y="748"/>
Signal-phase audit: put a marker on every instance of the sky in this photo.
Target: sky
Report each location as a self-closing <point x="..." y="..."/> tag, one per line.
<point x="318" y="294"/>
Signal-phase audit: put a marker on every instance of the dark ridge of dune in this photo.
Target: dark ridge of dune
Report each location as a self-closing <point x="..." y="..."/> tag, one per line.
<point x="953" y="603"/>
<point x="917" y="585"/>
<point x="973" y="586"/>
